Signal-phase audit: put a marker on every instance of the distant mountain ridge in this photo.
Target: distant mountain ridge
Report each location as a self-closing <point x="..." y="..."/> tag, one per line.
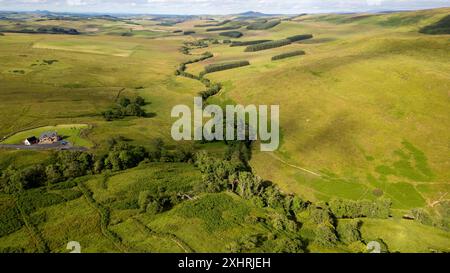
<point x="253" y="14"/>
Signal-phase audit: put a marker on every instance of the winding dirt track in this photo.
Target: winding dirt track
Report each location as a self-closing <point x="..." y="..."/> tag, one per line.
<point x="294" y="166"/>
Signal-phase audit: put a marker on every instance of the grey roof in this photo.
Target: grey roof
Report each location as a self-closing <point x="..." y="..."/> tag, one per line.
<point x="48" y="134"/>
<point x="31" y="139"/>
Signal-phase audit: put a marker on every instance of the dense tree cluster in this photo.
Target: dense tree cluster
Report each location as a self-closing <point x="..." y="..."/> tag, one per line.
<point x="361" y="208"/>
<point x="125" y="107"/>
<point x="156" y="202"/>
<point x="325" y="232"/>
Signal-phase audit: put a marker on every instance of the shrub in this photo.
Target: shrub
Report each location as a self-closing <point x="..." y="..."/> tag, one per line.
<point x="247" y="43"/>
<point x="362" y="208"/>
<point x="232" y="34"/>
<point x="288" y="55"/>
<point x="9" y="250"/>
<point x="31" y="200"/>
<point x="9" y="220"/>
<point x="422" y="216"/>
<point x="177" y="31"/>
<point x="189" y="32"/>
<point x="144" y="199"/>
<point x="348" y="231"/>
<point x="13" y="181"/>
<point x="263" y="25"/>
<point x="267" y="45"/>
<point x="224" y="66"/>
<point x="288" y="245"/>
<point x="325" y="236"/>
<point x="297" y="38"/>
<point x="321" y="216"/>
<point x="281" y="223"/>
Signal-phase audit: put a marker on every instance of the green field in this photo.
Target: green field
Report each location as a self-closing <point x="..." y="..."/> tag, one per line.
<point x="364" y="115"/>
<point x="69" y="132"/>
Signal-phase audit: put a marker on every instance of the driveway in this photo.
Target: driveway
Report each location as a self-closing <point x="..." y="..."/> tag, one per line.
<point x="59" y="146"/>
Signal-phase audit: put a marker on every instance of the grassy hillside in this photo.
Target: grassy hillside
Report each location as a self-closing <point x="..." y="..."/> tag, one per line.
<point x="364" y="117"/>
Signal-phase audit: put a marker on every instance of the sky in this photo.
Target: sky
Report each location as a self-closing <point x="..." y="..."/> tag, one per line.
<point x="219" y="6"/>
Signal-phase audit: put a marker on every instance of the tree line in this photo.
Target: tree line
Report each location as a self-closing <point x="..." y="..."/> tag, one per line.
<point x="277" y="43"/>
<point x="288" y="55"/>
<point x="225" y="66"/>
<point x="232" y="34"/>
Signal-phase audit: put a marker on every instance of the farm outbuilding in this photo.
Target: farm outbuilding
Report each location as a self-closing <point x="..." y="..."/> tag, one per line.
<point x="31" y="141"/>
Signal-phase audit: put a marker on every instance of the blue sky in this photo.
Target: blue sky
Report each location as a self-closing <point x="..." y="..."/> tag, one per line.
<point x="219" y="6"/>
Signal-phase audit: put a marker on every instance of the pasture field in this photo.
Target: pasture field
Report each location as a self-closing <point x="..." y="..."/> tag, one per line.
<point x="69" y="132"/>
<point x="364" y="115"/>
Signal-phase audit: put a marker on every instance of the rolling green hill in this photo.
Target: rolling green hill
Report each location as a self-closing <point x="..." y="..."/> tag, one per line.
<point x="364" y="113"/>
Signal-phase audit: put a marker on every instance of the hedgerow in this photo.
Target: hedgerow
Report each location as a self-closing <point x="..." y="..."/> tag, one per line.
<point x="268" y="45"/>
<point x="288" y="55"/>
<point x="224" y="66"/>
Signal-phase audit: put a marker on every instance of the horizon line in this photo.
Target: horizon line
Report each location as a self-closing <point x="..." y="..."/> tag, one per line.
<point x="224" y="14"/>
